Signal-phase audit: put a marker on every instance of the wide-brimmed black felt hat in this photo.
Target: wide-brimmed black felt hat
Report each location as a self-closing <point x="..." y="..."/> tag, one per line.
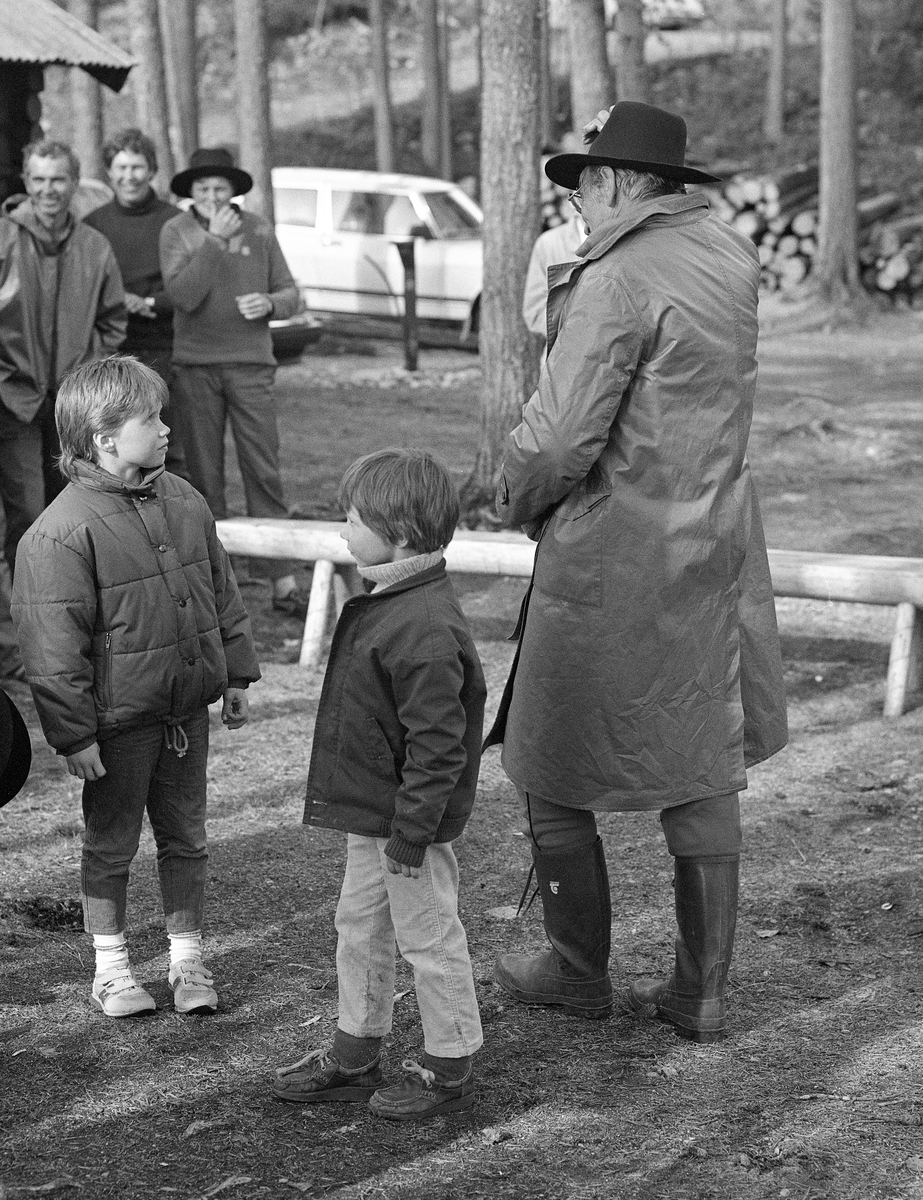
<point x="204" y="163"/>
<point x="15" y="750"/>
<point x="638" y="137"/>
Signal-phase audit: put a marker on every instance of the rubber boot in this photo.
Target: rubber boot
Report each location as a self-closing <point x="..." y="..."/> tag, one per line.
<point x="693" y="999"/>
<point x="574" y="973"/>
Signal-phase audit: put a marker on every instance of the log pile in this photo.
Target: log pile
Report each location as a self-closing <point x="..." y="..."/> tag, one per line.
<point x="779" y="213"/>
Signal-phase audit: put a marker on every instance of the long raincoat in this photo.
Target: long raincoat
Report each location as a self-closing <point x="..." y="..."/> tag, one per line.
<point x="648" y="672"/>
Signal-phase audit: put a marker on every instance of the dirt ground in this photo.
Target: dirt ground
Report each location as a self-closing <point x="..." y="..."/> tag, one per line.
<point x="817" y="1094"/>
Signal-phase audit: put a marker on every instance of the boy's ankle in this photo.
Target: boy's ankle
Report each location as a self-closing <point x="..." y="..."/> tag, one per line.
<point x="353" y="1053"/>
<point x="447" y="1070"/>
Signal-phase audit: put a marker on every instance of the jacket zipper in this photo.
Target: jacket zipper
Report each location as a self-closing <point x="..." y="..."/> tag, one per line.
<point x="108" y="689"/>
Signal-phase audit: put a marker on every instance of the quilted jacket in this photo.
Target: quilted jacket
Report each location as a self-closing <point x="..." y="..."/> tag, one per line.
<point x="126" y="607"/>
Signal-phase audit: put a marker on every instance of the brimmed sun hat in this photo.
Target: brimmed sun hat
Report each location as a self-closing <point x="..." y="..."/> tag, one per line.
<point x="203" y="163"/>
<point x="635" y="136"/>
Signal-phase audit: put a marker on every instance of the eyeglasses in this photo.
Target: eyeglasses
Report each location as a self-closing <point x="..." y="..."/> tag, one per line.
<point x="576" y="199"/>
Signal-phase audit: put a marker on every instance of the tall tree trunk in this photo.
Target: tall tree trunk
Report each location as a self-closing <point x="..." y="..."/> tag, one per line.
<point x="776" y="80"/>
<point x="836" y="267"/>
<point x="445" y="94"/>
<point x="384" y="122"/>
<point x="590" y="77"/>
<point x="253" y="102"/>
<point x="546" y="94"/>
<point x="178" y="29"/>
<point x="150" y="83"/>
<point x="87" y="103"/>
<point x="631" y="76"/>
<point x="431" y="118"/>
<point x="511" y="41"/>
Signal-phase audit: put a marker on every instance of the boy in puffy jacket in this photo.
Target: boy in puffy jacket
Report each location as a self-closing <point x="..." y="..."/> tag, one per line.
<point x="397" y="745"/>
<point x="130" y="624"/>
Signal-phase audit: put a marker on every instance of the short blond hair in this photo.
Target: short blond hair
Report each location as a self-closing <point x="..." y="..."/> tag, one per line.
<point x="100" y="397"/>
<point x="405" y="496"/>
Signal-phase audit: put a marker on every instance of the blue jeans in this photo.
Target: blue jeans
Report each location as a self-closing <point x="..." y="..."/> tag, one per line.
<point x="143" y="773"/>
<point x="378" y="910"/>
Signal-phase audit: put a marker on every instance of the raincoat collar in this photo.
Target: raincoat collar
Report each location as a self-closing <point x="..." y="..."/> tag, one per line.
<point x="49" y="242"/>
<point x="658" y="210"/>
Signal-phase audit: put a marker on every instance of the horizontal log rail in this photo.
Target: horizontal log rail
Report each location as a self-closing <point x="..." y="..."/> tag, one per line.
<point x="801" y="574"/>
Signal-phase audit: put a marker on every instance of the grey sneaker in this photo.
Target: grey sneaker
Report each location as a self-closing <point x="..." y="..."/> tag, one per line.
<point x="193" y="987"/>
<point x="118" y="994"/>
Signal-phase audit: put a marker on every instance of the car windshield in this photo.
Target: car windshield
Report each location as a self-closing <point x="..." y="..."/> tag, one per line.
<point x="452" y="220"/>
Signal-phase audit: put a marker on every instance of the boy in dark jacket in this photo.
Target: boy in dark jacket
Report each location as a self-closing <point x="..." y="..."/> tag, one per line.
<point x="395" y="764"/>
<point x="130" y="625"/>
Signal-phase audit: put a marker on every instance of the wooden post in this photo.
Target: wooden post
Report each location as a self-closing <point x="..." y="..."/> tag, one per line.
<point x="405" y="248"/>
<point x="904" y="661"/>
<point x="178" y="28"/>
<point x="384" y="122"/>
<point x="253" y="102"/>
<point x="315" y="626"/>
<point x="87" y="103"/>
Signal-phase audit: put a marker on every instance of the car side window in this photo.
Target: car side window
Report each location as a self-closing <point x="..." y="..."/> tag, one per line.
<point x="295" y="206"/>
<point x="374" y="212"/>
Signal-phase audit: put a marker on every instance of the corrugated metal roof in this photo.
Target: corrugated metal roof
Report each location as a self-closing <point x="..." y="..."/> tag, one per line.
<point x="37" y="31"/>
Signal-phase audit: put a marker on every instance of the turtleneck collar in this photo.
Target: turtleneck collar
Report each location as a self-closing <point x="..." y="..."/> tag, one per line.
<point x="387" y="574"/>
<point x="148" y="204"/>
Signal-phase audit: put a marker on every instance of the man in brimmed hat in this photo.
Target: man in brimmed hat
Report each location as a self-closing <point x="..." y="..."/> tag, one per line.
<point x="648" y="673"/>
<point x="226" y="275"/>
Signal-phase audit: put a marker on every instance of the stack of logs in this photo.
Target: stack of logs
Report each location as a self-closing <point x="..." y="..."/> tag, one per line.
<point x="779" y="213"/>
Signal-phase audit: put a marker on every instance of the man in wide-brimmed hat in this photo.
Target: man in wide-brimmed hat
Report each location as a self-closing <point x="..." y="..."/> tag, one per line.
<point x="226" y="275"/>
<point x="648" y="674"/>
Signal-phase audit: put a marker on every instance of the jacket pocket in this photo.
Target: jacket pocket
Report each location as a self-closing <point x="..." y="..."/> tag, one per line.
<point x="568" y="561"/>
<point x="102" y="670"/>
<point x="379" y="753"/>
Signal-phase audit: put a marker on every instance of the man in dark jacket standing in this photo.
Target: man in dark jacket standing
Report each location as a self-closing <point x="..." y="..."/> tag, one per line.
<point x="61" y="304"/>
<point x="225" y="273"/>
<point x="648" y="674"/>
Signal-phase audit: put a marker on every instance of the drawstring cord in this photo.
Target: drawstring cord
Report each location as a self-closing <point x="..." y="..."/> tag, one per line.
<point x="174" y="737"/>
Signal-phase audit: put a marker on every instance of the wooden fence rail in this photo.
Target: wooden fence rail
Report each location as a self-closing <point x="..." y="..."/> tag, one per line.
<point x="856" y="578"/>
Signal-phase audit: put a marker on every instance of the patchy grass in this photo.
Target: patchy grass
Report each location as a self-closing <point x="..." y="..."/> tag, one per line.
<point x="818" y="1093"/>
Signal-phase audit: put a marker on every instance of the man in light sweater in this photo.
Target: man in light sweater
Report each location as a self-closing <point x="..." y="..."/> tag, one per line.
<point x="225" y="273"/>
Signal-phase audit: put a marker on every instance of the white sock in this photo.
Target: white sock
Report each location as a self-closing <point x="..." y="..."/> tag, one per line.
<point x="111" y="951"/>
<point x="185" y="945"/>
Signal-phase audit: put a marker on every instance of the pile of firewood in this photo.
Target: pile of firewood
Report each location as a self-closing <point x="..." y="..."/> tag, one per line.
<point x="779" y="213"/>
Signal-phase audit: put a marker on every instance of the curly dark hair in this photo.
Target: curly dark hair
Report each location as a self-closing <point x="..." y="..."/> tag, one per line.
<point x="133" y="140"/>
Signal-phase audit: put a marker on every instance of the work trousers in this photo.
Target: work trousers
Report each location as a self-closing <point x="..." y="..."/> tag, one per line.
<point x="708" y="828"/>
<point x="204" y="400"/>
<point x="377" y="912"/>
<point x="146" y="771"/>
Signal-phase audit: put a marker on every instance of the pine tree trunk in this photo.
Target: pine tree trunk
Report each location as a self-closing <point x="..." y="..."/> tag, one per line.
<point x="252" y="73"/>
<point x="178" y="29"/>
<point x="590" y="77"/>
<point x="511" y="42"/>
<point x="87" y="103"/>
<point x="445" y="96"/>
<point x="836" y="267"/>
<point x="149" y="81"/>
<point x="431" y="116"/>
<point x="774" y="116"/>
<point x="631" y="76"/>
<point x="546" y="101"/>
<point x="384" y="122"/>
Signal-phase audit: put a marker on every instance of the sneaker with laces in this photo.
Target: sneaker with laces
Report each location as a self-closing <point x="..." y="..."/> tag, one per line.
<point x="193" y="987"/>
<point x="118" y="994"/>
<point x="420" y="1095"/>
<point x="319" y="1077"/>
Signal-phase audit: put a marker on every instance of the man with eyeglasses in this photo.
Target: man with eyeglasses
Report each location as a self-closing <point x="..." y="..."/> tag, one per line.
<point x="648" y="675"/>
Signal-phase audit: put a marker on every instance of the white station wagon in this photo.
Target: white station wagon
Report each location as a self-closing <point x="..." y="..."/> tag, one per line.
<point x="337" y="230"/>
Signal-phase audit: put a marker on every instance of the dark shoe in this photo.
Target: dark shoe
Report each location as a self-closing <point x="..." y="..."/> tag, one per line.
<point x="295" y="604"/>
<point x="318" y="1078"/>
<point x="420" y="1095"/>
<point x="692" y="999"/>
<point x="545" y="979"/>
<point x="574" y="973"/>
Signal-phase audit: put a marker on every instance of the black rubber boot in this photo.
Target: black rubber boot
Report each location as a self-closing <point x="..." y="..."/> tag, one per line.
<point x="693" y="998"/>
<point x="574" y="973"/>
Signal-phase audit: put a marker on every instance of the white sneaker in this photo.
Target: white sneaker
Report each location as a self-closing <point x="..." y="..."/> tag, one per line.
<point x="193" y="990"/>
<point x="119" y="995"/>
